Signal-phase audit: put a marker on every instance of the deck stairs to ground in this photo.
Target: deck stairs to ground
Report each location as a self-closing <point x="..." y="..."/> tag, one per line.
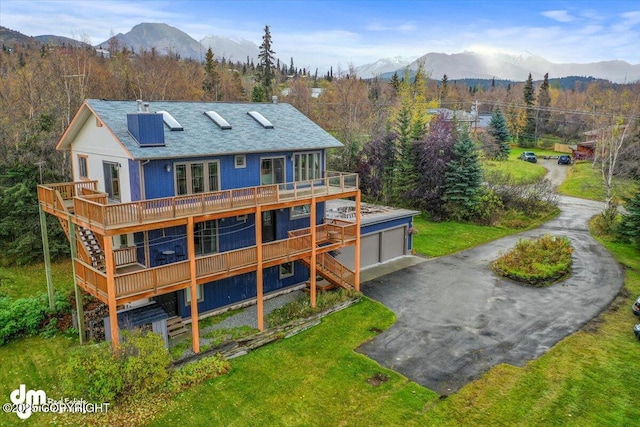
<point x="333" y="270"/>
<point x="175" y="326"/>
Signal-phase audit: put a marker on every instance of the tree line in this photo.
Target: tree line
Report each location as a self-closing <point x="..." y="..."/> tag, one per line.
<point x="391" y="130"/>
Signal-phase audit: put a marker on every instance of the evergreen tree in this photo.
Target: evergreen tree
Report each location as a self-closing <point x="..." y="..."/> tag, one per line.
<point x="395" y="82"/>
<point x="444" y="88"/>
<point x="629" y="227"/>
<point x="529" y="131"/>
<point x="463" y="179"/>
<point x="211" y="77"/>
<point x="257" y="94"/>
<point x="544" y="102"/>
<point x="266" y="58"/>
<point x="500" y="132"/>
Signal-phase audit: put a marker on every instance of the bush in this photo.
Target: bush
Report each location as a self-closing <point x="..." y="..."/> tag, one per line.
<point x="92" y="372"/>
<point x="197" y="372"/>
<point x="301" y="307"/>
<point x="25" y="316"/>
<point x="98" y="374"/>
<point x="537" y="262"/>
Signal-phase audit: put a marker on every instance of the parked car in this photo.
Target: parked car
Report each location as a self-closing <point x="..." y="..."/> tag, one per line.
<point x="564" y="159"/>
<point x="636" y="307"/>
<point x="529" y="156"/>
<point x="636" y="330"/>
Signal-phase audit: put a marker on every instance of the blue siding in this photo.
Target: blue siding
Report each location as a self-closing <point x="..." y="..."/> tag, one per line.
<point x="134" y="180"/>
<point x="157" y="181"/>
<point x="408" y="221"/>
<point x="160" y="183"/>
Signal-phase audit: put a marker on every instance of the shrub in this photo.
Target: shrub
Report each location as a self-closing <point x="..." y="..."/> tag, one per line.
<point x="98" y="374"/>
<point x="143" y="360"/>
<point x="301" y="307"/>
<point x="25" y="316"/>
<point x="197" y="372"/>
<point x="92" y="372"/>
<point x="537" y="262"/>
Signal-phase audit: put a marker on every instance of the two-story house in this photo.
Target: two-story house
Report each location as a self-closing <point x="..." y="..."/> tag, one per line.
<point x="199" y="206"/>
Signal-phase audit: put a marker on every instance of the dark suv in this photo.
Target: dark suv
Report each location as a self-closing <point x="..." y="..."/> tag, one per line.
<point x="564" y="159"/>
<point x="529" y="156"/>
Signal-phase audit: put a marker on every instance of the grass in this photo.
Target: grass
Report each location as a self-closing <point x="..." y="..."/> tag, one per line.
<point x="25" y="281"/>
<point x="315" y="378"/>
<point x="585" y="182"/>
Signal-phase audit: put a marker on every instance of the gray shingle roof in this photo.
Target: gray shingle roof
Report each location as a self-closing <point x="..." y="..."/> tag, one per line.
<point x="292" y="130"/>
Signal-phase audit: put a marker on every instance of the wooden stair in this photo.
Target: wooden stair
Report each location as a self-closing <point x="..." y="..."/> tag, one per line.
<point x="92" y="245"/>
<point x="175" y="326"/>
<point x="333" y="271"/>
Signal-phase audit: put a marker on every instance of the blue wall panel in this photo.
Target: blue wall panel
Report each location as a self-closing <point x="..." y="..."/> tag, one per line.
<point x="134" y="180"/>
<point x="157" y="181"/>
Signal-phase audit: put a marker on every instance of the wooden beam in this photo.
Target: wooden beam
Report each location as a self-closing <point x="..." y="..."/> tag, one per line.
<point x="259" y="270"/>
<point x="47" y="256"/>
<point x="111" y="292"/>
<point x="356" y="263"/>
<point x="191" y="253"/>
<point x="312" y="264"/>
<point x="78" y="292"/>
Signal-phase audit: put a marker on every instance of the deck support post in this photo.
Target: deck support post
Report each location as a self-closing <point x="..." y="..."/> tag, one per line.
<point x="111" y="292"/>
<point x="313" y="260"/>
<point x="191" y="252"/>
<point x="356" y="263"/>
<point x="47" y="256"/>
<point x="79" y="304"/>
<point x="259" y="271"/>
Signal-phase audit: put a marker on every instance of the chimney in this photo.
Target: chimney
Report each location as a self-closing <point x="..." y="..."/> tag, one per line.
<point x="139" y="101"/>
<point x="274" y="99"/>
<point x="146" y="107"/>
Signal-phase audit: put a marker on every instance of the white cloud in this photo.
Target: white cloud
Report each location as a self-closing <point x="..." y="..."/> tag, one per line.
<point x="558" y="15"/>
<point x="401" y="28"/>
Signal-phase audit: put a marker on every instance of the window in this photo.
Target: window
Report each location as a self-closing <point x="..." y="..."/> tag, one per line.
<point x="286" y="270"/>
<point x="240" y="161"/>
<point x="306" y="166"/>
<point x="300" y="211"/>
<point x="205" y="237"/>
<point x="196" y="177"/>
<point x="83" y="171"/>
<point x="272" y="171"/>
<point x="124" y="240"/>
<point x="187" y="294"/>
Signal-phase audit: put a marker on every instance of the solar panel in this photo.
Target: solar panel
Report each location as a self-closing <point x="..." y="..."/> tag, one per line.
<point x="168" y="120"/>
<point x="218" y="120"/>
<point x="260" y="119"/>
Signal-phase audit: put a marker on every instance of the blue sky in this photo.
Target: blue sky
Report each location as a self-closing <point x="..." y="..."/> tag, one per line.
<point x="340" y="33"/>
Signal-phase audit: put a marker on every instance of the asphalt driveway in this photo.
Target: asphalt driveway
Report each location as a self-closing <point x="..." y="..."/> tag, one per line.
<point x="456" y="318"/>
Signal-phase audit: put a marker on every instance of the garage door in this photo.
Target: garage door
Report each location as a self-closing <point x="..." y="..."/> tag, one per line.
<point x="369" y="250"/>
<point x="392" y="244"/>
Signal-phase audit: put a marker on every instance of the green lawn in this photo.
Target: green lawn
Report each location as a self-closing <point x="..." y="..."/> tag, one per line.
<point x="443" y="238"/>
<point x="585" y="182"/>
<point x="25" y="281"/>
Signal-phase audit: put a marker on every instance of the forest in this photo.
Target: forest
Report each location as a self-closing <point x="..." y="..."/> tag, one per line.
<point x="392" y="133"/>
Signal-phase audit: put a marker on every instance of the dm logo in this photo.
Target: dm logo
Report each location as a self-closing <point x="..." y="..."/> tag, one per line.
<point x="25" y="400"/>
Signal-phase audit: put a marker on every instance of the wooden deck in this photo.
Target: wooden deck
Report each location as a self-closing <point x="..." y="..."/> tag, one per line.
<point x="91" y="208"/>
<point x="134" y="281"/>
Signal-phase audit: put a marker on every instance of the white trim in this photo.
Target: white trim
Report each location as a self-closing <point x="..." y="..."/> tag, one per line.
<point x="187" y="295"/>
<point x="243" y="162"/>
<point x="285" y="275"/>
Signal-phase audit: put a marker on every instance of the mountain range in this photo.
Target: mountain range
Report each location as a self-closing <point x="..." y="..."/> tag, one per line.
<point x="472" y="65"/>
<point x="466" y="65"/>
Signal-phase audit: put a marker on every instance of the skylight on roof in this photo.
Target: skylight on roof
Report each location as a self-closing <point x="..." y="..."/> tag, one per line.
<point x="260" y="119"/>
<point x="168" y="120"/>
<point x="218" y="120"/>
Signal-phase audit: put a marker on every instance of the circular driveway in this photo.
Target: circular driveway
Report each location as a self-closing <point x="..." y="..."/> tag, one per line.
<point x="456" y="318"/>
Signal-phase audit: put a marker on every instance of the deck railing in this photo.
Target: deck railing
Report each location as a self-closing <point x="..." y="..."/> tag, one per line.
<point x="154" y="279"/>
<point x="335" y="267"/>
<point x="92" y="206"/>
